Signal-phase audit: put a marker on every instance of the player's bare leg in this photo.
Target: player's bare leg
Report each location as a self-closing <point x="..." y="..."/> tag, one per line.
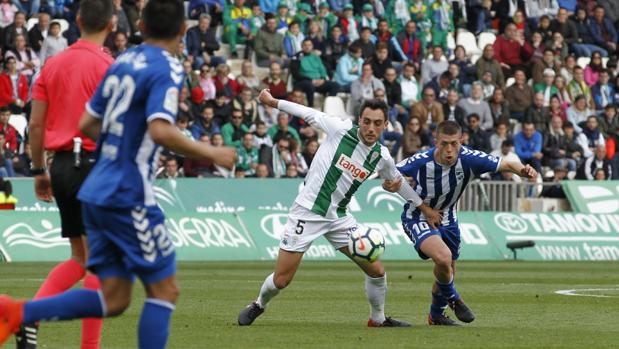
<point x="443" y="290"/>
<point x="285" y="268"/>
<point x="376" y="291"/>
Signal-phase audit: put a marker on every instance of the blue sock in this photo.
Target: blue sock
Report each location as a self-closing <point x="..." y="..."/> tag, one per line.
<point x="155" y="324"/>
<point x="73" y="304"/>
<point x="439" y="303"/>
<point x="449" y="290"/>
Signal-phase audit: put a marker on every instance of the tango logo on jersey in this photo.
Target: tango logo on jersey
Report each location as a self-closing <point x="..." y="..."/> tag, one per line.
<point x="345" y="163"/>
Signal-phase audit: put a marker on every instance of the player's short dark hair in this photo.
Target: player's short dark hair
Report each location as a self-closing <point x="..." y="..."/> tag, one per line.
<point x="449" y="128"/>
<point x="95" y="15"/>
<point x="163" y="19"/>
<point x="375" y="104"/>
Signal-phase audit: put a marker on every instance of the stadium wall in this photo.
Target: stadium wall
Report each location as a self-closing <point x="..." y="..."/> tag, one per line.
<point x="241" y="220"/>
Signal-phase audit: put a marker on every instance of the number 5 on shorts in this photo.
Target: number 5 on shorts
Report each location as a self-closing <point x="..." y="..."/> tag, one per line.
<point x="300" y="227"/>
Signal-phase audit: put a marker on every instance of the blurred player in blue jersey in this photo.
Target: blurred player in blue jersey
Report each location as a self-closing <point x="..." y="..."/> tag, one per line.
<point x="440" y="176"/>
<point x="132" y="114"/>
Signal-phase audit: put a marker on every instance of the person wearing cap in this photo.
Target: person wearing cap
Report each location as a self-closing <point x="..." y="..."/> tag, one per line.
<point x="348" y="23"/>
<point x="237" y="26"/>
<point x="283" y="18"/>
<point x="325" y="17"/>
<point x="546" y="87"/>
<point x="303" y="16"/>
<point x="441" y="15"/>
<point x="367" y="18"/>
<point x="555" y="190"/>
<point x="603" y="92"/>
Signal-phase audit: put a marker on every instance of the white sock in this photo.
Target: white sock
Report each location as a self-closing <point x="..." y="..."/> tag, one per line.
<point x="267" y="291"/>
<point x="376" y="290"/>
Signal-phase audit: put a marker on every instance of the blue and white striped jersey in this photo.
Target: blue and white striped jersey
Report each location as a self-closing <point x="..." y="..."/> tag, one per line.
<point x="440" y="186"/>
<point x="142" y="85"/>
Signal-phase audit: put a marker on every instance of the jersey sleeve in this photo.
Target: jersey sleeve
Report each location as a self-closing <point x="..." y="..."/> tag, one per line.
<point x="315" y="118"/>
<point x="481" y="162"/>
<point x="409" y="167"/>
<point x="97" y="104"/>
<point x="162" y="100"/>
<point x="389" y="171"/>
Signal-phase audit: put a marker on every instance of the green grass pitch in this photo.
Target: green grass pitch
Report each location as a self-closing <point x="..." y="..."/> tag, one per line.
<point x="325" y="307"/>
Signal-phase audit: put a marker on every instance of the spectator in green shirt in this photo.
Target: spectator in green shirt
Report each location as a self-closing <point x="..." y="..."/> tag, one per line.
<point x="247" y="155"/>
<point x="310" y="74"/>
<point x="283" y="130"/>
<point x="233" y="131"/>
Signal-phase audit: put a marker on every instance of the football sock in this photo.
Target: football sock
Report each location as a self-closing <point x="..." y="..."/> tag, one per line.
<point x="439" y="303"/>
<point x="61" y="278"/>
<point x="154" y="325"/>
<point x="73" y="304"/>
<point x="449" y="290"/>
<point x="376" y="290"/>
<point x="91" y="327"/>
<point x="267" y="291"/>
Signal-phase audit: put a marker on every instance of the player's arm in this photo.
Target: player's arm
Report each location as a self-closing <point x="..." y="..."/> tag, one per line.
<point x="90" y="126"/>
<point x="311" y="116"/>
<point x="166" y="134"/>
<point x="395" y="183"/>
<point x="38" y="118"/>
<point x="517" y="168"/>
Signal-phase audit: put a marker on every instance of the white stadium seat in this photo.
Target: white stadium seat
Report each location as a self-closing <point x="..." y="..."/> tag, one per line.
<point x="468" y="41"/>
<point x="509" y="82"/>
<point x="583" y="61"/>
<point x="485" y="38"/>
<point x="20" y="123"/>
<point x="64" y="25"/>
<point x="334" y="106"/>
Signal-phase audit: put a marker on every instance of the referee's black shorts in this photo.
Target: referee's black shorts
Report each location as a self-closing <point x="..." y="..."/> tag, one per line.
<point x="66" y="182"/>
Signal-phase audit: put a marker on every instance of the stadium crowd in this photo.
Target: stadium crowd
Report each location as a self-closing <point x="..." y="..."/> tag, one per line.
<point x="535" y="80"/>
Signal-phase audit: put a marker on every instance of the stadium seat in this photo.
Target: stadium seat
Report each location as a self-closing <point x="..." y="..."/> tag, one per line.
<point x="474" y="58"/>
<point x="20" y="123"/>
<point x="509" y="82"/>
<point x="583" y="61"/>
<point x="235" y="66"/>
<point x="451" y="43"/>
<point x="224" y="50"/>
<point x="604" y="61"/>
<point x="186" y="5"/>
<point x="191" y="22"/>
<point x="484" y="39"/>
<point x="261" y="72"/>
<point x="334" y="106"/>
<point x="64" y="25"/>
<point x="468" y="41"/>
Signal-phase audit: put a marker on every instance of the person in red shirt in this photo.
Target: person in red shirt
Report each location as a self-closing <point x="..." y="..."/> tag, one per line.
<point x="13" y="87"/>
<point x="58" y="101"/>
<point x="10" y="133"/>
<point x="225" y="84"/>
<point x="274" y="81"/>
<point x="512" y="51"/>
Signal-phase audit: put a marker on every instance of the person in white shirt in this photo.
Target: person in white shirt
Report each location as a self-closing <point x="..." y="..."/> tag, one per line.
<point x="409" y="85"/>
<point x="54" y="43"/>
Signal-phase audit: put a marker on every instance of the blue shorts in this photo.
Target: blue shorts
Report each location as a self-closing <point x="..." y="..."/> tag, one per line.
<point x="125" y="242"/>
<point x="418" y="231"/>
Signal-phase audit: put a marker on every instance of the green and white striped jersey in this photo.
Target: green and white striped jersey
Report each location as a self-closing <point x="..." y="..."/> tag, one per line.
<point x="341" y="164"/>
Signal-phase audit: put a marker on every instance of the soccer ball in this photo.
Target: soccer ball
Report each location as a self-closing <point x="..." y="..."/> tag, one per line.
<point x="366" y="243"/>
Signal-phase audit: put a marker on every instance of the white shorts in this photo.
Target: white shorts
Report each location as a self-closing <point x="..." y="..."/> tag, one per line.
<point x="305" y="226"/>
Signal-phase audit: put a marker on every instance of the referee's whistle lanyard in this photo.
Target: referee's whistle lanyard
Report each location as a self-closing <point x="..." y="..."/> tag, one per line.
<point x="77" y="151"/>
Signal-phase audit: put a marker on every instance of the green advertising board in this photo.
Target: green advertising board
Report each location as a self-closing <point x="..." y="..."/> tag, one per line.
<point x="593" y="196"/>
<point x="224" y="219"/>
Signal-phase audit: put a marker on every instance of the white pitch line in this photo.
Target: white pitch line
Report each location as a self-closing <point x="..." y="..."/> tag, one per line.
<point x="561" y="238"/>
<point x="574" y="292"/>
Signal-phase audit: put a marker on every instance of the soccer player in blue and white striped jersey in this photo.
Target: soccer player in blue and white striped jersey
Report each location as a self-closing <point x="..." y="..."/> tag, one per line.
<point x="441" y="174"/>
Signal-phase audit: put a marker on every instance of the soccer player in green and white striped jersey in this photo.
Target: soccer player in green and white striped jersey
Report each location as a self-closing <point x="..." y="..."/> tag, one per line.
<point x="348" y="156"/>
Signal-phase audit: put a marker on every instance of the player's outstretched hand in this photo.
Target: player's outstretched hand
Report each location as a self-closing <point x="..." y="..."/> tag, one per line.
<point x="433" y="217"/>
<point x="224" y="156"/>
<point x="529" y="172"/>
<point x="392" y="186"/>
<point x="266" y="98"/>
